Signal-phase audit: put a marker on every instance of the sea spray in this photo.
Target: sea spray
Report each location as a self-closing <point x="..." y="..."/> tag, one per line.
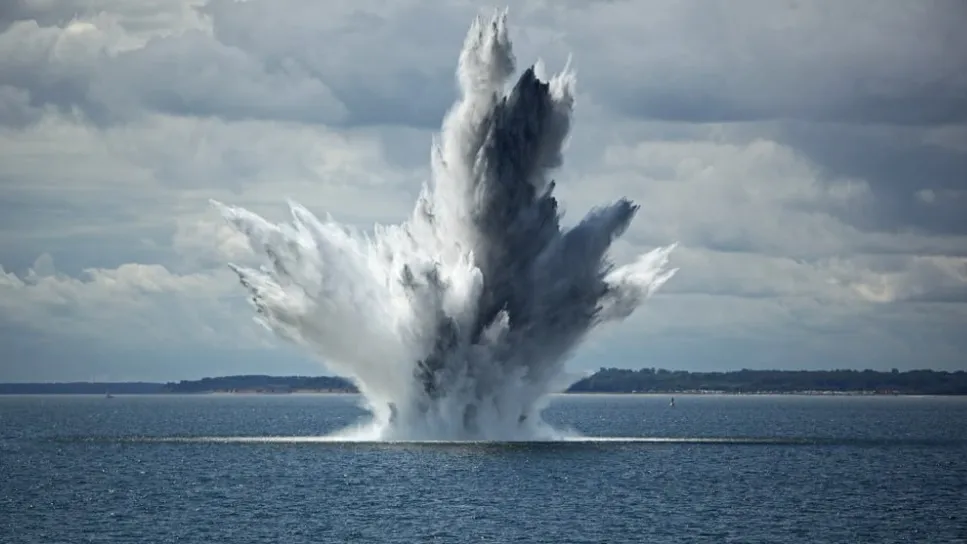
<point x="456" y="324"/>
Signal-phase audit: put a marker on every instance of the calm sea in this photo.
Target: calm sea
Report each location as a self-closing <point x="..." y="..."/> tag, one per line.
<point x="736" y="469"/>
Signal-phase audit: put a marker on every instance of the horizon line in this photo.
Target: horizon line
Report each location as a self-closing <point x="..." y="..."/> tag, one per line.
<point x="586" y="375"/>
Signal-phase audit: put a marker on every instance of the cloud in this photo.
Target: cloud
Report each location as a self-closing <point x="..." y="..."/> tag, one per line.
<point x="760" y="197"/>
<point x="132" y="301"/>
<point x="63" y="179"/>
<point x="718" y="61"/>
<point x="135" y="321"/>
<point x="230" y="60"/>
<point x="903" y="278"/>
<point x="341" y="62"/>
<point x="898" y="163"/>
<point x="811" y="159"/>
<point x="94" y="67"/>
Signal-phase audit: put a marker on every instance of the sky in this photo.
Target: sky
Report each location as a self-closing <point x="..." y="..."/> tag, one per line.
<point x="810" y="158"/>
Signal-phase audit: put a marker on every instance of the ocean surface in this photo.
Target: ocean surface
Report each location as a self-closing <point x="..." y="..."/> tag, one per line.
<point x="711" y="469"/>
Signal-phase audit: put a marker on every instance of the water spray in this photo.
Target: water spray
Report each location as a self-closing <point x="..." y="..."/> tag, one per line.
<point x="457" y="323"/>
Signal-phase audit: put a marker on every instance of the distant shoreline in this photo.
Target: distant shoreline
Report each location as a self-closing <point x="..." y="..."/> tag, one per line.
<point x="601" y="393"/>
<point x="605" y="381"/>
<point x="563" y="393"/>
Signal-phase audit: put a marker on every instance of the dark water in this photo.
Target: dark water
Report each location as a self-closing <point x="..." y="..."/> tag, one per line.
<point x="844" y="469"/>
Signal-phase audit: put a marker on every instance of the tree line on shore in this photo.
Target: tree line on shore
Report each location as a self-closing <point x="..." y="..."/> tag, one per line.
<point x="605" y="380"/>
<point x="650" y="380"/>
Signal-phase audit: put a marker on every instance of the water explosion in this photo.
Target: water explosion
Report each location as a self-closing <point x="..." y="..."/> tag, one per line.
<point x="457" y="323"/>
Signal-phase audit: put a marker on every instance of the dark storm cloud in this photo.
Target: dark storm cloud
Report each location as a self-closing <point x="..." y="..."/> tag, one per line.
<point x="12" y="11"/>
<point x="708" y="105"/>
<point x="901" y="170"/>
<point x="914" y="182"/>
<point x="898" y="63"/>
<point x="30" y="81"/>
<point x="902" y="63"/>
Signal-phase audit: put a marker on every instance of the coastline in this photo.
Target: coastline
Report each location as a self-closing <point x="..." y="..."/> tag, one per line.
<point x="607" y="381"/>
<point x="568" y="394"/>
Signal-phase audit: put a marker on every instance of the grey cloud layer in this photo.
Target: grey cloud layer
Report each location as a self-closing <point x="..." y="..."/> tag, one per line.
<point x="849" y="61"/>
<point x="846" y="71"/>
<point x="335" y="62"/>
<point x="189" y="74"/>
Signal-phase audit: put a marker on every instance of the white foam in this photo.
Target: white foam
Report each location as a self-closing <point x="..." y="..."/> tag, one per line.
<point x="563" y="441"/>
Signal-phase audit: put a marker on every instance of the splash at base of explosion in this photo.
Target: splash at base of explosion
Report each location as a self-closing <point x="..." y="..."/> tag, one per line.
<point x="425" y="432"/>
<point x="457" y="323"/>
